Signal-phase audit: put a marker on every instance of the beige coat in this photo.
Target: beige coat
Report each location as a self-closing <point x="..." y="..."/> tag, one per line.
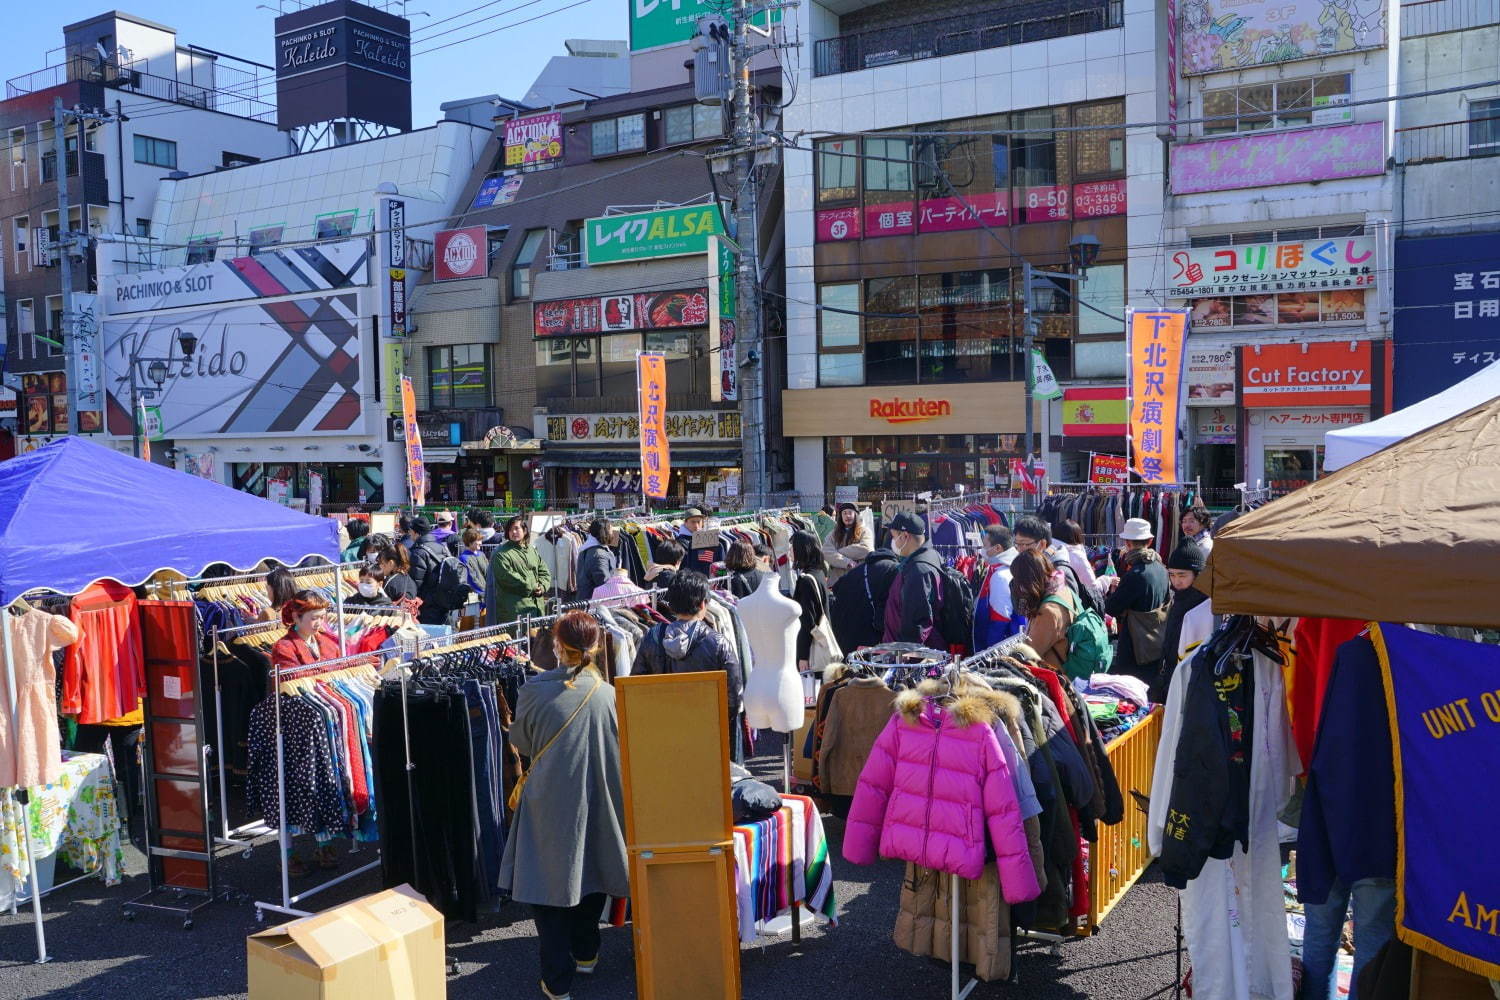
<point x="857" y="714"/>
<point x="32" y="754"/>
<point x="842" y="560"/>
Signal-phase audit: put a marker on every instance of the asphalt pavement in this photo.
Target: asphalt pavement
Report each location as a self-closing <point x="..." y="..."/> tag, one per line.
<point x="98" y="954"/>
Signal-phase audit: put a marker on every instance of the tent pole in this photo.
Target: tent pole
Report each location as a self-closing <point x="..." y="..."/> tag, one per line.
<point x="15" y="728"/>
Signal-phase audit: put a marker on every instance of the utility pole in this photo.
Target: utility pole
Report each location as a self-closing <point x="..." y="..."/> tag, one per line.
<point x="748" y="354"/>
<point x="75" y="341"/>
<point x="65" y="250"/>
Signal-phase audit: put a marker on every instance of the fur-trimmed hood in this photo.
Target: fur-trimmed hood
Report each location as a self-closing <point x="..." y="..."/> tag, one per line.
<point x="975" y="703"/>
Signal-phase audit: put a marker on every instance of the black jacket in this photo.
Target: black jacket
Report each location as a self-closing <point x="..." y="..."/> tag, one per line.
<point x="690" y="647"/>
<point x="859" y="596"/>
<point x="1210" y="803"/>
<point x="811" y="594"/>
<point x="1144" y="587"/>
<point x="595" y="565"/>
<point x="1183" y="601"/>
<point x="911" y="610"/>
<point x="426" y="557"/>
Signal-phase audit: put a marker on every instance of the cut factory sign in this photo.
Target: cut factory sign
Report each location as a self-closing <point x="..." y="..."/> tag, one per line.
<point x="275" y="368"/>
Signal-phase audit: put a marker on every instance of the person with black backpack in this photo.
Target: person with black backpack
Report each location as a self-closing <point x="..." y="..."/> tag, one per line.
<point x="438" y="576"/>
<point x="859" y="599"/>
<point x="916" y="610"/>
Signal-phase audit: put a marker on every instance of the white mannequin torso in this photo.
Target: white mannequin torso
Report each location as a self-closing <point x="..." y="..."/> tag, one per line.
<point x="773" y="691"/>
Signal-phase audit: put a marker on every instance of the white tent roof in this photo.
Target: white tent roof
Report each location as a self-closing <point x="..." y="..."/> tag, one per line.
<point x="1350" y="444"/>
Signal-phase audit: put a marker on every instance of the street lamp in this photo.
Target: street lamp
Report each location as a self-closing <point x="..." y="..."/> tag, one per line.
<point x="157" y="370"/>
<point x="1082" y="252"/>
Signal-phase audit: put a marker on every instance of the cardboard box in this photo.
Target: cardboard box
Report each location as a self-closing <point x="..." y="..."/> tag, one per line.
<point x="388" y="946"/>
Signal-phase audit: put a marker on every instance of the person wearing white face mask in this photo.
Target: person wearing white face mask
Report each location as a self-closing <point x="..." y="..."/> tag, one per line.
<point x="912" y="607"/>
<point x="995" y="618"/>
<point x="369" y="589"/>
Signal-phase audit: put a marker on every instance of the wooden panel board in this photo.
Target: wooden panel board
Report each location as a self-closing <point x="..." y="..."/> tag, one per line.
<point x="674" y="753"/>
<point x="686" y="945"/>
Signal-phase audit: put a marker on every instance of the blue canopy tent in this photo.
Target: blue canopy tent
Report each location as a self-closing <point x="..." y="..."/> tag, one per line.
<point x="75" y="512"/>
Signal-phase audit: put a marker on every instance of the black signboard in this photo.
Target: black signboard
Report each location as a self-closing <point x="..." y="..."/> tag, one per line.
<point x="343" y="59"/>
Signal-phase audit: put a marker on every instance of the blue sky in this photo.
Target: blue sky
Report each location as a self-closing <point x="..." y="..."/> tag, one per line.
<point x="503" y="62"/>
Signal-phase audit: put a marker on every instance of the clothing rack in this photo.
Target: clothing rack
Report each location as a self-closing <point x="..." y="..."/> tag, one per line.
<point x="284" y="838"/>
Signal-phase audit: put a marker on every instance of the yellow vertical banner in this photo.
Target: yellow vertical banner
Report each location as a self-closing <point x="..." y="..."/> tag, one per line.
<point x="1155" y="345"/>
<point x="656" y="458"/>
<point x="416" y="470"/>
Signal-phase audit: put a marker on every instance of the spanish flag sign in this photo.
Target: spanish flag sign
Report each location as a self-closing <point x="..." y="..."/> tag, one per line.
<point x="656" y="458"/>
<point x="1155" y="345"/>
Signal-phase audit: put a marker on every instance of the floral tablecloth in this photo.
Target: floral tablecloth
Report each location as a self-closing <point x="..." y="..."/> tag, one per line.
<point x="76" y="816"/>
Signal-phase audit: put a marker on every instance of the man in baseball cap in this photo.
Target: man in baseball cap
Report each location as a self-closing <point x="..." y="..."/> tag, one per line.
<point x="911" y="610"/>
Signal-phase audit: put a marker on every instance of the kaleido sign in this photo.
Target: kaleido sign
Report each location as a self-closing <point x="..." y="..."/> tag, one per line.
<point x="603" y="428"/>
<point x="1304" y="265"/>
<point x="1267" y="159"/>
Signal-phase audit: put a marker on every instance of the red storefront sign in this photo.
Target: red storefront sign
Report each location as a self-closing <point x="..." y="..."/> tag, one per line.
<point x="460" y="253"/>
<point x="1098" y="199"/>
<point x="895" y="219"/>
<point x="836" y="224"/>
<point x="1046" y="203"/>
<point x="1318" y="373"/>
<point x="943" y="215"/>
<point x="621" y="313"/>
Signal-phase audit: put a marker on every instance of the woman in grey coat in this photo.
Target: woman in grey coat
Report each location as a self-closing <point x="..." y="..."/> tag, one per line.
<point x="566" y="849"/>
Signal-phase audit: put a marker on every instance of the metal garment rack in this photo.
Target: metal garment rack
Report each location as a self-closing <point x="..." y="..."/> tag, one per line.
<point x="284" y="837"/>
<point x="244" y="836"/>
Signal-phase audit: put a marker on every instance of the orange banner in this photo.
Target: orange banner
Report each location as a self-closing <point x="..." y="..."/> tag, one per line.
<point x="656" y="452"/>
<point x="416" y="470"/>
<point x="1156" y="349"/>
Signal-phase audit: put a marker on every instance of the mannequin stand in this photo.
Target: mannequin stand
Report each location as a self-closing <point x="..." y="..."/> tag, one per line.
<point x="955" y="991"/>
<point x="786" y="764"/>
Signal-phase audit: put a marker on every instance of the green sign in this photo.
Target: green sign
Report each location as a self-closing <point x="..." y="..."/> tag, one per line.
<point x="666" y="232"/>
<point x="728" y="270"/>
<point x="151" y="427"/>
<point x="670" y="22"/>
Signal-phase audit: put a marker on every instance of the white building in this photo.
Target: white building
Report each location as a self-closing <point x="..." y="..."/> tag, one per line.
<point x="288" y="272"/>
<point x="940" y="152"/>
<point x="1278" y="231"/>
<point x="174" y="107"/>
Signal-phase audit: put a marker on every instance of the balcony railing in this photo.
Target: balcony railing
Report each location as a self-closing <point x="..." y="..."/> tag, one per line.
<point x="1459" y="140"/>
<point x="241" y="101"/>
<point x="1435" y="17"/>
<point x="986" y="29"/>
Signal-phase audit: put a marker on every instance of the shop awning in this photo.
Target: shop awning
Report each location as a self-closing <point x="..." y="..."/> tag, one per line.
<point x="627" y="458"/>
<point x="1409" y="534"/>
<point x="52" y="533"/>
<point x="440" y="456"/>
<point x="1350" y="444"/>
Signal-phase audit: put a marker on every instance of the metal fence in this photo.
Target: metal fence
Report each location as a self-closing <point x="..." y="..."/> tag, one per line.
<point x="986" y="29"/>
<point x="1458" y="140"/>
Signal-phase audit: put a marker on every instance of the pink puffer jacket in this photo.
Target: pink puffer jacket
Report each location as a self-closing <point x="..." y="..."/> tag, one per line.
<point x="935" y="783"/>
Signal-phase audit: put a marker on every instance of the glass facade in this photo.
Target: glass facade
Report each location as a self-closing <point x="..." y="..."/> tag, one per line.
<point x="907" y="463"/>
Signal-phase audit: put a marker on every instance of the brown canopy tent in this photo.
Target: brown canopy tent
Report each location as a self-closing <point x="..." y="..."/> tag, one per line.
<point x="1409" y="534"/>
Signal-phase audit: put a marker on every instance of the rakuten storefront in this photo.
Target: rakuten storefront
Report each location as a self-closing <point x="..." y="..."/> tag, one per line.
<point x="1293" y="394"/>
<point x="907" y="439"/>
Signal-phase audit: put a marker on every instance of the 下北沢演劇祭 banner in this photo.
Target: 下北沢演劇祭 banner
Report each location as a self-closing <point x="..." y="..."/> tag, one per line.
<point x="1155" y="344"/>
<point x="416" y="468"/>
<point x="272" y="368"/>
<point x="656" y="456"/>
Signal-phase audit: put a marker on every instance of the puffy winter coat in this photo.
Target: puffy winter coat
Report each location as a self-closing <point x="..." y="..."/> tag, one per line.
<point x="936" y="786"/>
<point x="684" y="647"/>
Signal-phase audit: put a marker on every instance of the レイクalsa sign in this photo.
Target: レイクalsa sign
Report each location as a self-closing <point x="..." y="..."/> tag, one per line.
<point x="667" y="232"/>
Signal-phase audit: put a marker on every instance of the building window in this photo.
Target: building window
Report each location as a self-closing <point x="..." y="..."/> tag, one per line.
<point x="840" y="350"/>
<point x="229" y="159"/>
<point x="156" y="152"/>
<point x="1278" y="235"/>
<point x="18" y="147"/>
<point x="1281" y="104"/>
<point x="1484" y="128"/>
<point x="458" y="376"/>
<point x="625" y="134"/>
<point x="838" y="170"/>
<point x="53" y="337"/>
<point x="520" y="270"/>
<point x="201" y="249"/>
<point x="143" y="228"/>
<point x="21" y="226"/>
<point x="688" y="122"/>
<point x="264" y="236"/>
<point x="1100" y="152"/>
<point x="906" y="463"/>
<point x="335" y="225"/>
